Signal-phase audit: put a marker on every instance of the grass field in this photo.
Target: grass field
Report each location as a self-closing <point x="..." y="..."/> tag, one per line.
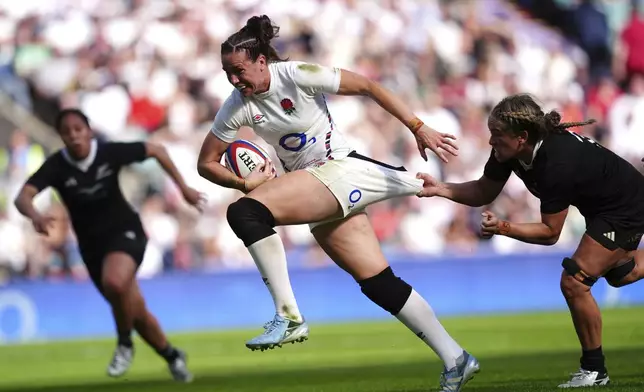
<point x="517" y="353"/>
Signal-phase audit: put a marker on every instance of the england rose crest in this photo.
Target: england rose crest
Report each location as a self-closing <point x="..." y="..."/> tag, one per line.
<point x="288" y="106"/>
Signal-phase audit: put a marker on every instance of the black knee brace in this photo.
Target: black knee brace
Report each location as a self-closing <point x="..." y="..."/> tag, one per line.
<point x="615" y="275"/>
<point x="386" y="290"/>
<point x="250" y="220"/>
<point x="573" y="269"/>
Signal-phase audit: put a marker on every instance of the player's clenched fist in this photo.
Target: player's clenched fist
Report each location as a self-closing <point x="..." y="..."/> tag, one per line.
<point x="489" y="224"/>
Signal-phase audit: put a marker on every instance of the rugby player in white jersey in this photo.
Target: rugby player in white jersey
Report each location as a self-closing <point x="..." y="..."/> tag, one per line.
<point x="328" y="185"/>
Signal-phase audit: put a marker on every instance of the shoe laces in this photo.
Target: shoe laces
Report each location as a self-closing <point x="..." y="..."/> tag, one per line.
<point x="120" y="356"/>
<point x="442" y="381"/>
<point x="581" y="374"/>
<point x="178" y="364"/>
<point x="272" y="325"/>
<point x="445" y="377"/>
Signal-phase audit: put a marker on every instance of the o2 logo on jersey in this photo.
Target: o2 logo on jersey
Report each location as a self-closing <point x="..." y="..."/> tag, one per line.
<point x="354" y="197"/>
<point x="295" y="141"/>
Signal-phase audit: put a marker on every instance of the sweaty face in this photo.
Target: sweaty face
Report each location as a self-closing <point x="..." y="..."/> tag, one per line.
<point x="506" y="145"/>
<point x="247" y="76"/>
<point x="76" y="136"/>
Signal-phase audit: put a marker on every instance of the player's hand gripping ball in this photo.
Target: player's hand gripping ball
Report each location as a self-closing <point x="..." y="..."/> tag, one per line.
<point x="250" y="162"/>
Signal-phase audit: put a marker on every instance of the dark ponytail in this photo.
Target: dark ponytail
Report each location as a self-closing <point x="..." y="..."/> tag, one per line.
<point x="254" y="38"/>
<point x="552" y="123"/>
<point x="520" y="112"/>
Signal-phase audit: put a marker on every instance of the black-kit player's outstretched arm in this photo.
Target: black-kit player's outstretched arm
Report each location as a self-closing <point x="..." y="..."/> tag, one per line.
<point x="127" y="153"/>
<point x="192" y="196"/>
<point x="484" y="191"/>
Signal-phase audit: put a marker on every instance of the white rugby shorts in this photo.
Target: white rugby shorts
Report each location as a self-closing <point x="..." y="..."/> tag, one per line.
<point x="357" y="182"/>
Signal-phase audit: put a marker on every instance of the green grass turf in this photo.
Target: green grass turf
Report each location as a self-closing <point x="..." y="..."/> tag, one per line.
<point x="517" y="353"/>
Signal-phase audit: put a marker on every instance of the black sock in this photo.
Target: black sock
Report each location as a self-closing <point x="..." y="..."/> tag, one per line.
<point x="125" y="340"/>
<point x="593" y="360"/>
<point x="169" y="353"/>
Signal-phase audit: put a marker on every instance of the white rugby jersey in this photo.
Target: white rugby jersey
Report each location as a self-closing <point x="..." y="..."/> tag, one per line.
<point x="292" y="116"/>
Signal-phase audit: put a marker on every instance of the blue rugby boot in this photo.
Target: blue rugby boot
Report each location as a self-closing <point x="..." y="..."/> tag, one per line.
<point x="454" y="379"/>
<point x="279" y="331"/>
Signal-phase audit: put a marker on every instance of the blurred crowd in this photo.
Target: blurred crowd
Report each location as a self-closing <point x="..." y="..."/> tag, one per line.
<point x="150" y="70"/>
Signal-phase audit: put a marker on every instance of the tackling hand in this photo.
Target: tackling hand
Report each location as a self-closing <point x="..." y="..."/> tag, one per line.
<point x="431" y="186"/>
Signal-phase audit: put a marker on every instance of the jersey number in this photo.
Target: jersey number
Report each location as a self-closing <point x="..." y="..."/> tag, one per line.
<point x="297" y="141"/>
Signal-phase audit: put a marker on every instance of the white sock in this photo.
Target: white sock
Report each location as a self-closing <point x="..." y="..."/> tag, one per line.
<point x="419" y="317"/>
<point x="270" y="258"/>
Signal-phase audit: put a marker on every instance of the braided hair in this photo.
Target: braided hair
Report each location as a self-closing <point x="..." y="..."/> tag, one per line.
<point x="520" y="112"/>
<point x="254" y="38"/>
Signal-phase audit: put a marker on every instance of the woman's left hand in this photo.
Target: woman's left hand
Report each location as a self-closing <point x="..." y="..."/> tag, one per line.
<point x="195" y="198"/>
<point x="438" y="142"/>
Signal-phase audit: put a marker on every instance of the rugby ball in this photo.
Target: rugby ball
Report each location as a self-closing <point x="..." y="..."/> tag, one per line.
<point x="242" y="156"/>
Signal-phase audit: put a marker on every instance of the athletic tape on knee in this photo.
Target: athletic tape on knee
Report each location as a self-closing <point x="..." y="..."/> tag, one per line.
<point x="573" y="269"/>
<point x="250" y="220"/>
<point x="386" y="290"/>
<point x="615" y="275"/>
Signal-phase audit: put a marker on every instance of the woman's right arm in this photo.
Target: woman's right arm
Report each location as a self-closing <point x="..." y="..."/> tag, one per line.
<point x="210" y="168"/>
<point x="24" y="202"/>
<point x="223" y="131"/>
<point x="472" y="193"/>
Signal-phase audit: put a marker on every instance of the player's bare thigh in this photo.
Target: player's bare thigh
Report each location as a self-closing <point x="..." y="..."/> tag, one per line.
<point x="119" y="273"/>
<point x="297" y="198"/>
<point x="594" y="259"/>
<point x="352" y="245"/>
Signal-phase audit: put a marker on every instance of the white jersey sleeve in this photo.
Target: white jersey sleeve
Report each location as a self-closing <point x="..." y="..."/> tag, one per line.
<point x="314" y="78"/>
<point x="230" y="117"/>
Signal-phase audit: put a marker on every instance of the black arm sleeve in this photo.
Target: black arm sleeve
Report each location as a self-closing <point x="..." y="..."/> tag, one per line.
<point x="495" y="170"/>
<point x="46" y="175"/>
<point x="125" y="154"/>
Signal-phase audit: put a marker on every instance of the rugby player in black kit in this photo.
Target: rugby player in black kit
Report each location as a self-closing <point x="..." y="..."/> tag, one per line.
<point x="110" y="234"/>
<point x="563" y="169"/>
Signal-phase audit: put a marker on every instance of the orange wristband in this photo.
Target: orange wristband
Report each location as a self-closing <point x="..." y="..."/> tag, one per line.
<point x="415" y="124"/>
<point x="504" y="227"/>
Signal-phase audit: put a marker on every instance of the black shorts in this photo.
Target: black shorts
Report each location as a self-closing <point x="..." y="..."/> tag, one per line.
<point x="130" y="240"/>
<point x="613" y="236"/>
